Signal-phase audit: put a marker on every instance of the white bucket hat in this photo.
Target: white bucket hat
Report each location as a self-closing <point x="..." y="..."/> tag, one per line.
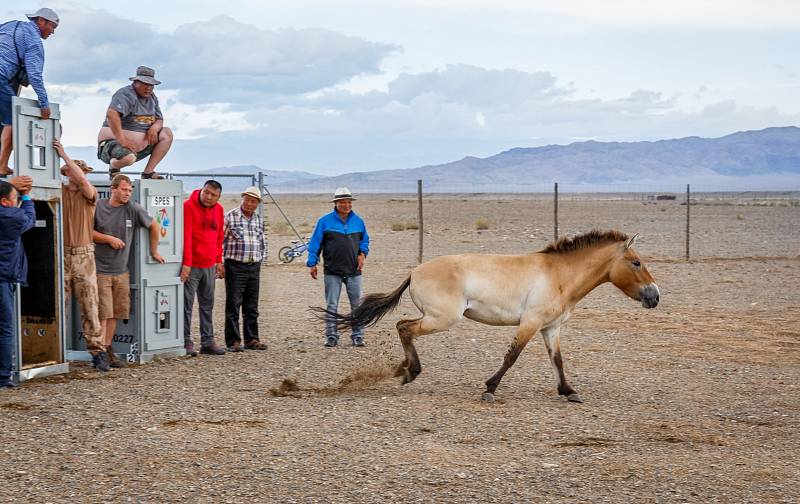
<point x="342" y="193"/>
<point x="252" y="191"/>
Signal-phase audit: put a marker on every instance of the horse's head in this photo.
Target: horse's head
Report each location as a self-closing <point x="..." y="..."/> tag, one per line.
<point x="631" y="276"/>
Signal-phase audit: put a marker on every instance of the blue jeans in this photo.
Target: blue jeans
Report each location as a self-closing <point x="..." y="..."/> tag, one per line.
<point x="333" y="288"/>
<point x="6" y="329"/>
<point x="6" y="93"/>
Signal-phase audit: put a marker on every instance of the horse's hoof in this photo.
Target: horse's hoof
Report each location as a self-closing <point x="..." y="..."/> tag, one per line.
<point x="488" y="397"/>
<point x="574" y="398"/>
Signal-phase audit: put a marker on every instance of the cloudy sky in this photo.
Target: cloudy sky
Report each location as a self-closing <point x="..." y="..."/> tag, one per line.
<point x="334" y="86"/>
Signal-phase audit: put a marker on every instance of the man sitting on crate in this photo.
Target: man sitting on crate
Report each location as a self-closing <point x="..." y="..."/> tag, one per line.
<point x="79" y="200"/>
<point x="134" y="127"/>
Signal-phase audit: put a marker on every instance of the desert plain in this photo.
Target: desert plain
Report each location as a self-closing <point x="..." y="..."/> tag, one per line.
<point x="697" y="400"/>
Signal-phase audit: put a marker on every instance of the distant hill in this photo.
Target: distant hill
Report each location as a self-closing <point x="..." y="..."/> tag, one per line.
<point x="768" y="156"/>
<point x="230" y="185"/>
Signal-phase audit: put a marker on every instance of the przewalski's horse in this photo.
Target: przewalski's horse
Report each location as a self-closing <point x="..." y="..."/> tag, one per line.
<point x="535" y="291"/>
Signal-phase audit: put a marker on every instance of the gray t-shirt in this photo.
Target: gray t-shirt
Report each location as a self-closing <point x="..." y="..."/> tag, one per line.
<point x="120" y="222"/>
<point x="138" y="113"/>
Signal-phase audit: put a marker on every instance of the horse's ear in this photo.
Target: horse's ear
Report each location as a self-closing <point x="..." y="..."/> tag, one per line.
<point x="630" y="242"/>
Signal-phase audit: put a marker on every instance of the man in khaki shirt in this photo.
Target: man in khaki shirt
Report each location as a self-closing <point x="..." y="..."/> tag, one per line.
<point x="79" y="198"/>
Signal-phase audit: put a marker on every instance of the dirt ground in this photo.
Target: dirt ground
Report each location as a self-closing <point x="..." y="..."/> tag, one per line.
<point x="695" y="401"/>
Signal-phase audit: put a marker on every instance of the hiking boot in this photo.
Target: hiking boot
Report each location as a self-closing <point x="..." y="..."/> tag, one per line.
<point x="189" y="347"/>
<point x="331" y="341"/>
<point x="255" y="345"/>
<point x="115" y="362"/>
<point x="100" y="362"/>
<point x="236" y="347"/>
<point x="212" y="349"/>
<point x="359" y="341"/>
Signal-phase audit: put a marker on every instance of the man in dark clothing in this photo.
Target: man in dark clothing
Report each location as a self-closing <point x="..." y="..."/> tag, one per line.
<point x="13" y="265"/>
<point x="342" y="237"/>
<point x="134" y="127"/>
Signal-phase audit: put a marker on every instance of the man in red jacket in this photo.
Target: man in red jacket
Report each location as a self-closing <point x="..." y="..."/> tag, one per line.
<point x="203" y="223"/>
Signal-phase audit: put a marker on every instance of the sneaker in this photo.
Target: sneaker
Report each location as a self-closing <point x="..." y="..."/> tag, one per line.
<point x="359" y="341"/>
<point x="331" y="341"/>
<point x="115" y="362"/>
<point x="236" y="347"/>
<point x="100" y="362"/>
<point x="255" y="345"/>
<point x="189" y="347"/>
<point x="7" y="384"/>
<point x="212" y="349"/>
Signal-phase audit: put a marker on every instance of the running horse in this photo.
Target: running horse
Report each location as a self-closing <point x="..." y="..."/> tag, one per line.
<point x="536" y="292"/>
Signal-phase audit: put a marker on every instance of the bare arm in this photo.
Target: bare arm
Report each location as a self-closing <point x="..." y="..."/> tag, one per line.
<point x="75" y="173"/>
<point x="112" y="241"/>
<point x="153" y="131"/>
<point x="155" y="230"/>
<point x="115" y="123"/>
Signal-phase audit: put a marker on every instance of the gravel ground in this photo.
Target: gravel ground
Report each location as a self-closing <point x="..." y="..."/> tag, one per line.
<point x="695" y="401"/>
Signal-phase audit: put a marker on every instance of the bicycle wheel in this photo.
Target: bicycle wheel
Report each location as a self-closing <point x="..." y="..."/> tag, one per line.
<point x="285" y="256"/>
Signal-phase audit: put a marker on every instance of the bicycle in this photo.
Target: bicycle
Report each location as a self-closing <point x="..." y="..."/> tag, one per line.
<point x="288" y="253"/>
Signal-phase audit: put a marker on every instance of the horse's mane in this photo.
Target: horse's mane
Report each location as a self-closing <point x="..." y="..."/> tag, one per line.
<point x="581" y="241"/>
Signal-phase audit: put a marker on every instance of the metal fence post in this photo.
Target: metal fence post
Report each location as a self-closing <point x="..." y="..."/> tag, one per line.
<point x="419" y="217"/>
<point x="688" y="207"/>
<point x="263" y="213"/>
<point x="555" y="211"/>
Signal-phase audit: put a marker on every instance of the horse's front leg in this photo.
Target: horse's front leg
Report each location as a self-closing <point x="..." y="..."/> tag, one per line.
<point x="552" y="340"/>
<point x="524" y="334"/>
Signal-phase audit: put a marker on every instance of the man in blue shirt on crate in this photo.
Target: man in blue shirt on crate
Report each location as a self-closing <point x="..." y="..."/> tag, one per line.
<point x="342" y="238"/>
<point x="21" y="64"/>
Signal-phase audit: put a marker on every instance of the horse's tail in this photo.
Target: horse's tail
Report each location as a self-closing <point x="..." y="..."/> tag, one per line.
<point x="372" y="308"/>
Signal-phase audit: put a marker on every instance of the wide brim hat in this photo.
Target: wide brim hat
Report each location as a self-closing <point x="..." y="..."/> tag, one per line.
<point x="342" y="193"/>
<point x="146" y="75"/>
<point x="252" y="191"/>
<point x="81" y="164"/>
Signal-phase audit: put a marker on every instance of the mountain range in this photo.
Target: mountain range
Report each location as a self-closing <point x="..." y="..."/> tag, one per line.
<point x="768" y="158"/>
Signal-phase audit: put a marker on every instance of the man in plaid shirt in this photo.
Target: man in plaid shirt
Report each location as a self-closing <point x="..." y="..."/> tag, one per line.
<point x="244" y="247"/>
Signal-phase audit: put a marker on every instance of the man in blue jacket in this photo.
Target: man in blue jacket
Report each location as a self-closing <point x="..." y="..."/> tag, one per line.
<point x="13" y="265"/>
<point x="342" y="237"/>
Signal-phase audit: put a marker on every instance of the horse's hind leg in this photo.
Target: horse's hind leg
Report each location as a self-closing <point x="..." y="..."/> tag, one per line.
<point x="524" y="334"/>
<point x="410" y="367"/>
<point x="408" y="330"/>
<point x="551" y="337"/>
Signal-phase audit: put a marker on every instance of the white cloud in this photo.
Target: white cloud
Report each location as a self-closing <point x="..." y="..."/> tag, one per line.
<point x="742" y="14"/>
<point x="215" y="61"/>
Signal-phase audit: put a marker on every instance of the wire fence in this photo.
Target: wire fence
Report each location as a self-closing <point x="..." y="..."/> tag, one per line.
<point x="674" y="222"/>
